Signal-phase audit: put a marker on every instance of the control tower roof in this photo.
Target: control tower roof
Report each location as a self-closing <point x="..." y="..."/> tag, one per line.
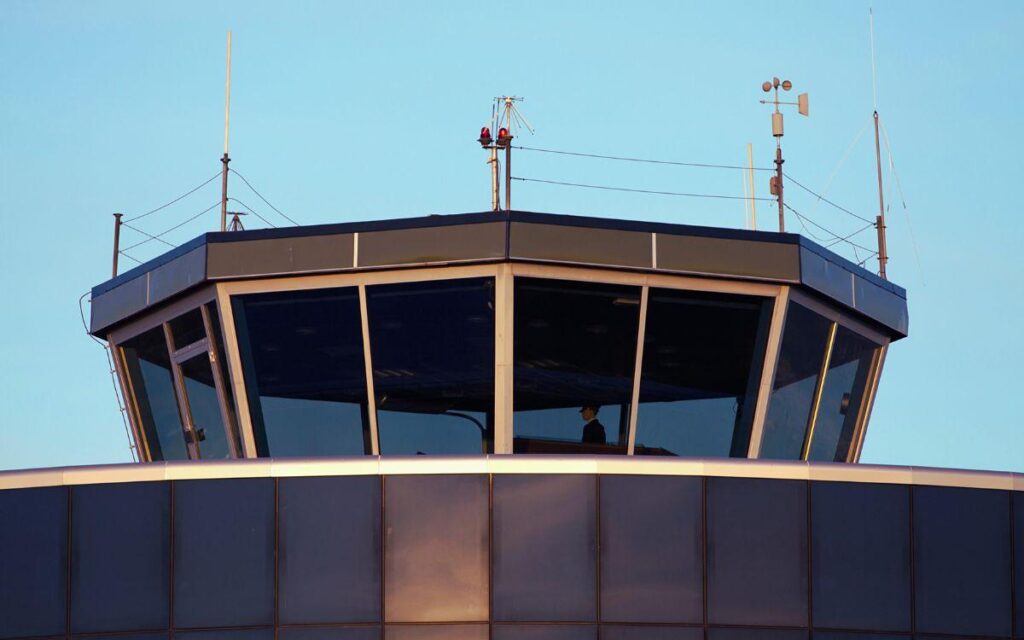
<point x="504" y="236"/>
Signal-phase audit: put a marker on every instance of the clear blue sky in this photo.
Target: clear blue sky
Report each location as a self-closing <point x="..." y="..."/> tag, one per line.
<point x="349" y="111"/>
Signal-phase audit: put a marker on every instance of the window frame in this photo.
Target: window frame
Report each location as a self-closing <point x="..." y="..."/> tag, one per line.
<point x="208" y="345"/>
<point x="836" y="319"/>
<point x="504" y="274"/>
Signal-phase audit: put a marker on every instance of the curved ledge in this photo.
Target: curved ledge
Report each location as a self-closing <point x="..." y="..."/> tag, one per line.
<point x="510" y="464"/>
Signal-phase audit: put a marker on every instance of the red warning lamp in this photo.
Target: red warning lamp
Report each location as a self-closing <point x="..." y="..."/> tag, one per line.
<point x="485" y="139"/>
<point x="504" y="137"/>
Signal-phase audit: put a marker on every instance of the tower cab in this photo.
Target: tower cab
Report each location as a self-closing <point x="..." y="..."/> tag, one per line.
<point x="499" y="333"/>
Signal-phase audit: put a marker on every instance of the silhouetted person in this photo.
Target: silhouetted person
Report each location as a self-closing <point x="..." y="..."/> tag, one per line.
<point x="593" y="431"/>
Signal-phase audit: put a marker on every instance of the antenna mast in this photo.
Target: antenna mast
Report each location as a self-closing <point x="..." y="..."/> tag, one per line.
<point x="883" y="254"/>
<point x="225" y="160"/>
<point x="776" y="182"/>
<point x="505" y="119"/>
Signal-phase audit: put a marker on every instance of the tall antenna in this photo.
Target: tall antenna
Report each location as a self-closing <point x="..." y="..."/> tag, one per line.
<point x="504" y="117"/>
<point x="753" y="200"/>
<point x="225" y="160"/>
<point x="802" y="108"/>
<point x="883" y="254"/>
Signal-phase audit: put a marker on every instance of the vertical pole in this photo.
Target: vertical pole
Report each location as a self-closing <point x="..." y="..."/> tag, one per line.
<point x="225" y="160"/>
<point x="778" y="181"/>
<point x="508" y="176"/>
<point x="495" y="198"/>
<point x="117" y="241"/>
<point x="883" y="255"/>
<point x="753" y="200"/>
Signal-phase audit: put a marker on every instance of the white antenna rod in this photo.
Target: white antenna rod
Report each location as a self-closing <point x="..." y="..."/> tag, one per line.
<point x="225" y="160"/>
<point x="227" y="97"/>
<point x="874" y="87"/>
<point x="753" y="200"/>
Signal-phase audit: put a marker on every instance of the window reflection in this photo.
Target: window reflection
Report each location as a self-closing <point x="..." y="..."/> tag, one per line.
<point x="701" y="366"/>
<point x="149" y="370"/>
<point x="849" y="367"/>
<point x="433" y="365"/>
<point x="804" y="342"/>
<point x="575" y="352"/>
<point x="204" y="405"/>
<point x="302" y="355"/>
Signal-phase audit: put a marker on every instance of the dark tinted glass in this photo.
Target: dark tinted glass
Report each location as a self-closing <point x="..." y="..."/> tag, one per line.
<point x="225" y="375"/>
<point x="757" y="551"/>
<point x="545" y="632"/>
<point x="544" y="547"/>
<point x="433" y="365"/>
<point x="187" y="328"/>
<point x="702" y="361"/>
<point x="651" y="556"/>
<point x="849" y="366"/>
<point x="1018" y="558"/>
<point x="575" y="347"/>
<point x="335" y="633"/>
<point x="962" y="561"/>
<point x="755" y="634"/>
<point x="246" y="634"/>
<point x="624" y="632"/>
<point x="329" y="552"/>
<point x="860" y="546"/>
<point x="435" y="632"/>
<point x="838" y="635"/>
<point x="796" y="380"/>
<point x="149" y="369"/>
<point x="302" y="352"/>
<point x="132" y="636"/>
<point x="224" y="552"/>
<point x="33" y="561"/>
<point x="435" y="555"/>
<point x="120" y="551"/>
<point x="204" y="405"/>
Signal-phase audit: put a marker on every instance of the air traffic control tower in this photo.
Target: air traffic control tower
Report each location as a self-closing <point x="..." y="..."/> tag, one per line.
<point x="507" y="426"/>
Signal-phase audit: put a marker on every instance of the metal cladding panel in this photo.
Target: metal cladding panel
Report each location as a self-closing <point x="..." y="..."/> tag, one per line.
<point x="176" y="276"/>
<point x="432" y="244"/>
<point x="280" y="255"/>
<point x="582" y="245"/>
<point x="826" y="277"/>
<point x="119" y="303"/>
<point x="883" y="302"/>
<point x="884" y="306"/>
<point x="720" y="256"/>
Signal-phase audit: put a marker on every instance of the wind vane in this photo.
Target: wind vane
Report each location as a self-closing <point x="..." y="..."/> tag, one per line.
<point x="802" y="108"/>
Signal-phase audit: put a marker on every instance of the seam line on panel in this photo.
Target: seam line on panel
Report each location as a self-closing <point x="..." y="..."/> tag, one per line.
<point x="382" y="529"/>
<point x="913" y="562"/>
<point x="490" y="556"/>
<point x="170" y="559"/>
<point x="277" y="555"/>
<point x="1013" y="570"/>
<point x="704" y="549"/>
<point x="68" y="531"/>
<point x="810" y="561"/>
<point x="597" y="552"/>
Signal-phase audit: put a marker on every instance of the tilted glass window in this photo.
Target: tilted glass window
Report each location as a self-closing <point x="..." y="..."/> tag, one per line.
<point x="849" y="368"/>
<point x="148" y="367"/>
<point x="702" y="361"/>
<point x="432" y="346"/>
<point x="804" y="342"/>
<point x="575" y="350"/>
<point x="204" y="405"/>
<point x="221" y="361"/>
<point x="302" y="356"/>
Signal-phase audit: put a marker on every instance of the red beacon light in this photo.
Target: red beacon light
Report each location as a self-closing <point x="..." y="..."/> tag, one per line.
<point x="485" y="139"/>
<point x="504" y="137"/>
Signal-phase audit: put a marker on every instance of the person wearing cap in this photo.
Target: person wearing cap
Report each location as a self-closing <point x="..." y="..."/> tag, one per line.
<point x="593" y="430"/>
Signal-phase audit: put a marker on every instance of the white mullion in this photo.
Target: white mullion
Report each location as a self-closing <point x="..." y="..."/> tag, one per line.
<point x="771" y="357"/>
<point x="637" y="368"/>
<point x="371" y="397"/>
